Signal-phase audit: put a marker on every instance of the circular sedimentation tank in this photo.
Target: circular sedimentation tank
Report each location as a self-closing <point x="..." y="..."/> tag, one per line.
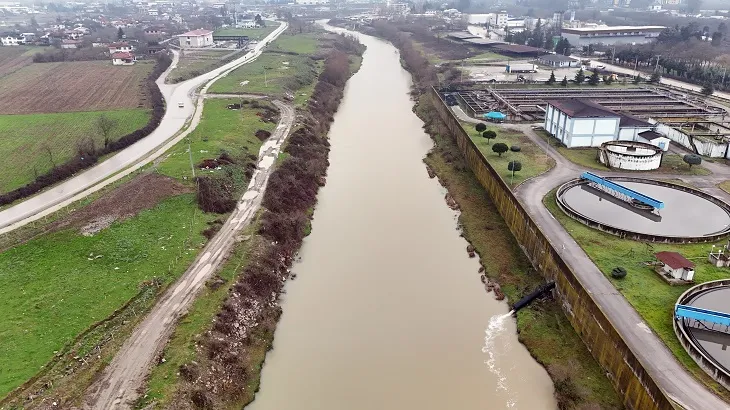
<point x="706" y="342"/>
<point x="688" y="215"/>
<point x="631" y="155"/>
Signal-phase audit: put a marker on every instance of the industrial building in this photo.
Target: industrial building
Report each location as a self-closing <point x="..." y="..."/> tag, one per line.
<point x="558" y="61"/>
<point x="581" y="123"/>
<point x="609" y="35"/>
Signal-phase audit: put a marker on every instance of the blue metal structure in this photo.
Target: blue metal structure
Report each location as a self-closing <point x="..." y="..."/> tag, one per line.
<point x="707" y="317"/>
<point x="620" y="190"/>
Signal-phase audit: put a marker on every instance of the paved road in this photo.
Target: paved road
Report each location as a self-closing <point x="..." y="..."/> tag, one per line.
<point x="95" y="178"/>
<point x="117" y="386"/>
<point x="656" y="358"/>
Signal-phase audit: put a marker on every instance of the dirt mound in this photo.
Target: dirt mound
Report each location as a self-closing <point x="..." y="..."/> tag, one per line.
<point x="143" y="192"/>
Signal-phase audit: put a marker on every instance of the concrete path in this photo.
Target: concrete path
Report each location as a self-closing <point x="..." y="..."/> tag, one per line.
<point x="136" y="155"/>
<point x="118" y="385"/>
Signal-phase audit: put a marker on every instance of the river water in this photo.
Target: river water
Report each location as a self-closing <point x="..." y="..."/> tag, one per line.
<point x="387" y="310"/>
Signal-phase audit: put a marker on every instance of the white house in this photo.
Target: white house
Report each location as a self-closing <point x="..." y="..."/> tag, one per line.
<point x="123" y="58"/>
<point x="120" y="48"/>
<point x="579" y="122"/>
<point x="196" y="38"/>
<point x="558" y="60"/>
<point x="676" y="265"/>
<point x="71" y="43"/>
<point x="655" y="138"/>
<point x="11" y="40"/>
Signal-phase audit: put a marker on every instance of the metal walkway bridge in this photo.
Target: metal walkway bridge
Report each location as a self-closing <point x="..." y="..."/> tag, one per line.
<point x="620" y="191"/>
<point x="703" y="318"/>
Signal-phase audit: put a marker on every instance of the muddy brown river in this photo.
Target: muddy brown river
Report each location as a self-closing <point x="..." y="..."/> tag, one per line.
<point x="387" y="310"/>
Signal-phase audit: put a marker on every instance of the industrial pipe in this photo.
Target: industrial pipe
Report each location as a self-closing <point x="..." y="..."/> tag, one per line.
<point x="532" y="296"/>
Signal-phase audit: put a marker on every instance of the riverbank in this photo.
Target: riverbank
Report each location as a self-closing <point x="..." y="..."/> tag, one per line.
<point x="543" y="329"/>
<point x="217" y="365"/>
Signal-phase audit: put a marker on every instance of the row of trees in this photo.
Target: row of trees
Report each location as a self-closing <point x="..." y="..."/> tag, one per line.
<point x="541" y="37"/>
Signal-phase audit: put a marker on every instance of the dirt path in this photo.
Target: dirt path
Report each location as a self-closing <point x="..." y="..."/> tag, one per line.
<point x="117" y="387"/>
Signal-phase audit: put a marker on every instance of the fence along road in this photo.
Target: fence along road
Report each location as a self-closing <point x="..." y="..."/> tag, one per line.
<point x="136" y="155"/>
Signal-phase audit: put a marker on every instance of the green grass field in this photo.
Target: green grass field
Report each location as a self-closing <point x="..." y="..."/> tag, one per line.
<point x="534" y="161"/>
<point x="34" y="142"/>
<point x="220" y="130"/>
<point x="273" y="73"/>
<point x="253" y="33"/>
<point x="653" y="298"/>
<point x="54" y="287"/>
<point x="192" y="64"/>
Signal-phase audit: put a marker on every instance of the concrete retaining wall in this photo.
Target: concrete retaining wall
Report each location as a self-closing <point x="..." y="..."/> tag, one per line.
<point x="699" y="356"/>
<point x="628" y="374"/>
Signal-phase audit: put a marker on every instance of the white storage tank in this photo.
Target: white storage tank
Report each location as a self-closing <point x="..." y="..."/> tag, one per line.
<point x="630" y="155"/>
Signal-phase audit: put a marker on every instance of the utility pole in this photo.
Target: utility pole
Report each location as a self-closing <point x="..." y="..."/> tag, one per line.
<point x="724" y="71"/>
<point x="613" y="55"/>
<point x="636" y="68"/>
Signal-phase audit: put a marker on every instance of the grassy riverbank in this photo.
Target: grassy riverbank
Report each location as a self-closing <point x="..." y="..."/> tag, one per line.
<point x="198" y="353"/>
<point x="652" y="298"/>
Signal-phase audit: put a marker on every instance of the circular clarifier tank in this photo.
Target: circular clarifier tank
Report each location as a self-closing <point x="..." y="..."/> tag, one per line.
<point x="713" y="342"/>
<point x="688" y="215"/>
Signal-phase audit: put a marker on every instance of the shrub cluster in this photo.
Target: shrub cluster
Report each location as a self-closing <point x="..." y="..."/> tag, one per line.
<point x="87" y="154"/>
<point x="53" y="55"/>
<point x="250" y="310"/>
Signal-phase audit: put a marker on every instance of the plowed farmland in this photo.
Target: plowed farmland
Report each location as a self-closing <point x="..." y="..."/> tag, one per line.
<point x="74" y="86"/>
<point x="14" y="58"/>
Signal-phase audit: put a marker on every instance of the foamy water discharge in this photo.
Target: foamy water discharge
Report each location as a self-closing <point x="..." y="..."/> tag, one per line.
<point x="494" y="329"/>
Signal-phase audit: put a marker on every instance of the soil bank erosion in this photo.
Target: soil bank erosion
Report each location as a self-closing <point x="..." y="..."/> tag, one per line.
<point x="387" y="310"/>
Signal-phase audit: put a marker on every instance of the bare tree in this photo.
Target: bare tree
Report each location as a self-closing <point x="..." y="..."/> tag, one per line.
<point x="50" y="154"/>
<point x="106" y="125"/>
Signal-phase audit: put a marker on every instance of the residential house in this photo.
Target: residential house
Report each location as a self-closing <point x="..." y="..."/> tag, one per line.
<point x="123" y="58"/>
<point x="154" y="31"/>
<point x="122" y="47"/>
<point x="66" y="43"/>
<point x="676" y="265"/>
<point x="196" y="38"/>
<point x="10" y="39"/>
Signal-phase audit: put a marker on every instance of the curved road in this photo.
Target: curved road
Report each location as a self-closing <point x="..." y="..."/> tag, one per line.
<point x="119" y="383"/>
<point x="657" y="359"/>
<point x="95" y="178"/>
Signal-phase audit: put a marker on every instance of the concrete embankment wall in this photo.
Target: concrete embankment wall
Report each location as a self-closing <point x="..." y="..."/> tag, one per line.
<point x="607" y="346"/>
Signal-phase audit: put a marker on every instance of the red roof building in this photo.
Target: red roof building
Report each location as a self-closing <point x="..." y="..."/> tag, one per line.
<point x="676" y="265"/>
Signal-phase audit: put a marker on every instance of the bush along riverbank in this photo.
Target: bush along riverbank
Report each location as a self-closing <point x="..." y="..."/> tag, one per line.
<point x="579" y="381"/>
<point x="223" y="371"/>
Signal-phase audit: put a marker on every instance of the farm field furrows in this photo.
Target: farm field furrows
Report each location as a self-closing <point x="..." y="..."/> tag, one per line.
<point x="14" y="58"/>
<point x="74" y="86"/>
<point x="32" y="143"/>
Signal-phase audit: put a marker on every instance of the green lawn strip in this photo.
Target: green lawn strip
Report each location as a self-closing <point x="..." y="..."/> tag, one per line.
<point x="534" y="161"/>
<point x="275" y="72"/>
<point x="542" y="326"/>
<point x="258" y="33"/>
<point x="53" y="287"/>
<point x="725" y="186"/>
<point x="486" y="56"/>
<point x="192" y="64"/>
<point x="653" y="298"/>
<point x="164" y="378"/>
<point x="587" y="157"/>
<point x="220" y="130"/>
<point x="33" y="143"/>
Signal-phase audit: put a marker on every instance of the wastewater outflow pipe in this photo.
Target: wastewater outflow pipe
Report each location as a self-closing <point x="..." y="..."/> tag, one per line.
<point x="532" y="296"/>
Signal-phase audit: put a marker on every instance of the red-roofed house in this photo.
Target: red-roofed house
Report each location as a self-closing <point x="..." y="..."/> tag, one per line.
<point x="123" y="58"/>
<point x="196" y="38"/>
<point x="119" y="48"/>
<point x="676" y="265"/>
